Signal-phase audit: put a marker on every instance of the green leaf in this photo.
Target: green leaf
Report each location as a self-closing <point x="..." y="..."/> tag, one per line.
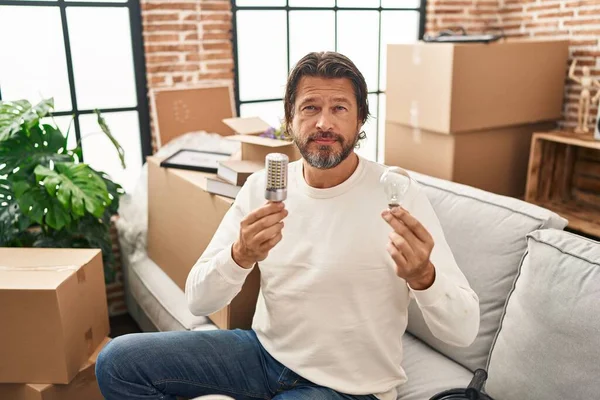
<point x="68" y="132"/>
<point x="9" y="213"/>
<point x="115" y="191"/>
<point x="77" y="187"/>
<point x="114" y="141"/>
<point x="31" y="200"/>
<point x="57" y="215"/>
<point x="37" y="204"/>
<point x="25" y="152"/>
<point x="21" y="115"/>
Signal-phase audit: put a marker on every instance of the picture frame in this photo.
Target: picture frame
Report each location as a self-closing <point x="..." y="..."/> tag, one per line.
<point x="195" y="160"/>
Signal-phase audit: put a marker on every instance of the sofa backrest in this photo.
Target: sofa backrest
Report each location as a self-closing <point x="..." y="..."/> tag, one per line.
<point x="548" y="346"/>
<point x="487" y="235"/>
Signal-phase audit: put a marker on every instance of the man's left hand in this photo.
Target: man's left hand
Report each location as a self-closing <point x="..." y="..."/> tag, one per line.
<point x="410" y="247"/>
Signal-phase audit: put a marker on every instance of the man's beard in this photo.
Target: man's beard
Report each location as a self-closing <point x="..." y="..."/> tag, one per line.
<point x="324" y="157"/>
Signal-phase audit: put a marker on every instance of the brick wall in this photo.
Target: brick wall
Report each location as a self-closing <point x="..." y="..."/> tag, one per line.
<point x="576" y="20"/>
<point x="473" y="15"/>
<point x="187" y="43"/>
<point x="115" y="293"/>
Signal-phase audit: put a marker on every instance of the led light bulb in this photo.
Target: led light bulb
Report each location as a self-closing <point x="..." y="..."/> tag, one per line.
<point x="396" y="183"/>
<point x="276" y="165"/>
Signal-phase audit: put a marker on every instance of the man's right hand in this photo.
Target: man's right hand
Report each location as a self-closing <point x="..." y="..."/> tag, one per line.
<point x="260" y="231"/>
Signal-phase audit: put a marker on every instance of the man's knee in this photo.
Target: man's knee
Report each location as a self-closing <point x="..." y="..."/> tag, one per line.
<point x="112" y="359"/>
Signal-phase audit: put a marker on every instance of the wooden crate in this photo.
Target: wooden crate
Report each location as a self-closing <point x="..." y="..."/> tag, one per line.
<point x="564" y="176"/>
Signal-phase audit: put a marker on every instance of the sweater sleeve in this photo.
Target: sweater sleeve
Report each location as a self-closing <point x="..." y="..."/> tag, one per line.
<point x="216" y="278"/>
<point x="450" y="307"/>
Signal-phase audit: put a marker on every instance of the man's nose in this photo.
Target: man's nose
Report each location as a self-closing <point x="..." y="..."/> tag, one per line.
<point x="325" y="121"/>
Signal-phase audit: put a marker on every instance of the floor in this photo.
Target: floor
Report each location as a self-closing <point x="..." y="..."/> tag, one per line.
<point x="122" y="325"/>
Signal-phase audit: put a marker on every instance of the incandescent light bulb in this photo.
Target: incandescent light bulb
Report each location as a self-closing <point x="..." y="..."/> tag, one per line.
<point x="396" y="183"/>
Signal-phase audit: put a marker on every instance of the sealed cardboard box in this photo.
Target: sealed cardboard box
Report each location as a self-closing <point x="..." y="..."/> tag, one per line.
<point x="54" y="313"/>
<point x="454" y="87"/>
<point x="494" y="160"/>
<point x="83" y="387"/>
<point x="182" y="219"/>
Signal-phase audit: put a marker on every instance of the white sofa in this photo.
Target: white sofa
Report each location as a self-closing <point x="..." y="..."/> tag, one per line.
<point x="499" y="243"/>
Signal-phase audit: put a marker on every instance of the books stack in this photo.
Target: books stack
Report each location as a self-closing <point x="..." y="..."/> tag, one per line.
<point x="231" y="176"/>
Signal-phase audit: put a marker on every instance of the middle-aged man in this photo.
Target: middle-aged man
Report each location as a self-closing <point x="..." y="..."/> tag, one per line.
<point x="336" y="279"/>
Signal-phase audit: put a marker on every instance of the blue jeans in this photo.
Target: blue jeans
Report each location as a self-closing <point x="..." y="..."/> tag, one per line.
<point x="162" y="366"/>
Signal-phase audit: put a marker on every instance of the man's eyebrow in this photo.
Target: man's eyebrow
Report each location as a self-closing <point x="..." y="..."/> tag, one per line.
<point x="308" y="99"/>
<point x="341" y="99"/>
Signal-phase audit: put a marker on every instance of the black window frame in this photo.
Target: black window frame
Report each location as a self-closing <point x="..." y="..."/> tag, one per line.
<point x="139" y="65"/>
<point x="421" y="9"/>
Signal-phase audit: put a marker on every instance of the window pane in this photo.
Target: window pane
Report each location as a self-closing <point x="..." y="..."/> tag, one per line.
<point x="270" y="111"/>
<point x="99" y="152"/>
<point x="400" y="3"/>
<point x="358" y="39"/>
<point x="303" y="40"/>
<point x="262" y="54"/>
<point x="102" y="57"/>
<point x="312" y="3"/>
<point x="396" y="27"/>
<point x="32" y="55"/>
<point x="368" y="147"/>
<point x="358" y="3"/>
<point x="381" y="129"/>
<point x="261" y="3"/>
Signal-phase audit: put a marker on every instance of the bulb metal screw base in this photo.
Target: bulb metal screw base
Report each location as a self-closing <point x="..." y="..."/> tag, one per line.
<point x="276" y="195"/>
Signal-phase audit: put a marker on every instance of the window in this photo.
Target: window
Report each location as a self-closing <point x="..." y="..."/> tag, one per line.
<point x="87" y="55"/>
<point x="272" y="35"/>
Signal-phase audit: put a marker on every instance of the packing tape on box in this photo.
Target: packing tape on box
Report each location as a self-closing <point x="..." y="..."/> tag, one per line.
<point x="53" y="268"/>
<point x="414" y="121"/>
<point x="416" y="55"/>
<point x="57" y="268"/>
<point x="416" y="135"/>
<point x="414" y="114"/>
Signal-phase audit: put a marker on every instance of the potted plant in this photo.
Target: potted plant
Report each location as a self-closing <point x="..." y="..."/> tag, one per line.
<point x="48" y="197"/>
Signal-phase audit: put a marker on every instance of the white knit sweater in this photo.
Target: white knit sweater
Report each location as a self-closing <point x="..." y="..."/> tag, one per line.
<point x="331" y="307"/>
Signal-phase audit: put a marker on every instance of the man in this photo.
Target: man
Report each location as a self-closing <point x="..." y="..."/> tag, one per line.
<point x="337" y="273"/>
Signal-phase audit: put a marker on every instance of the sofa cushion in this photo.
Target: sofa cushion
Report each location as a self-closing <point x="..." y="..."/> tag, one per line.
<point x="428" y="371"/>
<point x="487" y="235"/>
<point x="548" y="346"/>
<point x="153" y="297"/>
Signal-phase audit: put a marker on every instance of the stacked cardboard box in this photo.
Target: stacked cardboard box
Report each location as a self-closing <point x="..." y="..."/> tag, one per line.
<point x="466" y="112"/>
<point x="54" y="323"/>
<point x="183" y="217"/>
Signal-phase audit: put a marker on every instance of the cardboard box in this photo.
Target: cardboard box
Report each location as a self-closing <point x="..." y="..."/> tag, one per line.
<point x="181" y="110"/>
<point x="452" y="87"/>
<point x="256" y="148"/>
<point x="247" y="125"/>
<point x="494" y="160"/>
<point x="53" y="311"/>
<point x="83" y="387"/>
<point x="182" y="219"/>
